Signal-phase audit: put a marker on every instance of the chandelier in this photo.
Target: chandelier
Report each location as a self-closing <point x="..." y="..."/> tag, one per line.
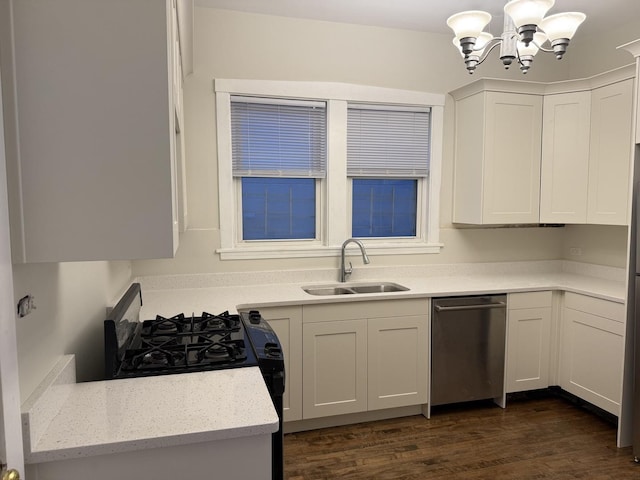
<point x="526" y="30"/>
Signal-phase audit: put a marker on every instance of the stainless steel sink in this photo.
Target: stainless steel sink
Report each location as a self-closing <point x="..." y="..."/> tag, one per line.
<point x="328" y="290"/>
<point x="379" y="288"/>
<point x="349" y="289"/>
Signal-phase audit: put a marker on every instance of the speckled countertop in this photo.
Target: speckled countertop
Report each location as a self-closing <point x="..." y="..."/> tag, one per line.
<point x="65" y="420"/>
<point x="218" y="292"/>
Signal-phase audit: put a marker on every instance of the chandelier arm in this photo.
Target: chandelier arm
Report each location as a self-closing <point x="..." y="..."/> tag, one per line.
<point x="475" y="48"/>
<point x="487" y="52"/>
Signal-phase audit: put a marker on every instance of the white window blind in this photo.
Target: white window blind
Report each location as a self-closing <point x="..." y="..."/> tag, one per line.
<point x="388" y="141"/>
<point x="278" y="138"/>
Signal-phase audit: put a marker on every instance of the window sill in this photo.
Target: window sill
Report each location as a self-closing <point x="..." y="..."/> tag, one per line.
<point x="376" y="249"/>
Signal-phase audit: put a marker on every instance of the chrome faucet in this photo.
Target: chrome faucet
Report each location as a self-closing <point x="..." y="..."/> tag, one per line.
<point x="345" y="272"/>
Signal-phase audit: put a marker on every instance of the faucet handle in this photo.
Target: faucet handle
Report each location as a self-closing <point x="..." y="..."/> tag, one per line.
<point x="348" y="271"/>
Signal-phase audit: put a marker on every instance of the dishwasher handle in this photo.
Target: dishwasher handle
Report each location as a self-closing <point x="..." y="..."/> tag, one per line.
<point x="484" y="306"/>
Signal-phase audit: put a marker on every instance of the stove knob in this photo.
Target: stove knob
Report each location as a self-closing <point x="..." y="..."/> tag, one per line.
<point x="272" y="350"/>
<point x="254" y="316"/>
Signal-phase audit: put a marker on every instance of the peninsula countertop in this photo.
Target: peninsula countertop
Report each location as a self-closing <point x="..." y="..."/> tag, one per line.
<point x="64" y="419"/>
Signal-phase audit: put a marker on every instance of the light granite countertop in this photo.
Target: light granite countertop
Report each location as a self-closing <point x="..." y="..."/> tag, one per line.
<point x="64" y="420"/>
<point x="215" y="293"/>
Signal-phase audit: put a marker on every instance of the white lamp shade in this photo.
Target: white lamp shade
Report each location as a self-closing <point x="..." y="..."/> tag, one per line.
<point x="538" y="39"/>
<point x="468" y="24"/>
<point x="562" y="25"/>
<point x="527" y="12"/>
<point x="481" y="43"/>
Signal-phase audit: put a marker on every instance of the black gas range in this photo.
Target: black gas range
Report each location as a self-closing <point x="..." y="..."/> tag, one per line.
<point x="194" y="343"/>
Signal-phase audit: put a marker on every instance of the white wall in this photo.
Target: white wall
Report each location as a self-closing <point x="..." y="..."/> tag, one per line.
<point x="71" y="301"/>
<point x="240" y="45"/>
<point x="598" y="53"/>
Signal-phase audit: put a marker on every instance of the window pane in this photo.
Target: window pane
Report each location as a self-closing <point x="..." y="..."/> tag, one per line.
<point x="278" y="208"/>
<point x="384" y="208"/>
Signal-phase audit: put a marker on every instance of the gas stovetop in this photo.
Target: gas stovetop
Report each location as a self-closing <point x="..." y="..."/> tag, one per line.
<point x="185" y="343"/>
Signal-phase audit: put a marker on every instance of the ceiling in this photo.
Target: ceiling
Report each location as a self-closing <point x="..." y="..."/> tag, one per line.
<point x="426" y="15"/>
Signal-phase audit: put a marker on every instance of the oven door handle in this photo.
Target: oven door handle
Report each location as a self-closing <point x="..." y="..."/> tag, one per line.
<point x="484" y="306"/>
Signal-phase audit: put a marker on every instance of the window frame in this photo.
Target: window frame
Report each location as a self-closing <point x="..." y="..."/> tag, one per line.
<point x="333" y="193"/>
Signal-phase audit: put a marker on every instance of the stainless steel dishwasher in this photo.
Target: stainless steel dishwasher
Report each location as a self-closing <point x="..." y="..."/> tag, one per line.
<point x="467" y="348"/>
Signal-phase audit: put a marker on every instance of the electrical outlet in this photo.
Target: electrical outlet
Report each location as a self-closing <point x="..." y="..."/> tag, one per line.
<point x="25" y="305"/>
<point x="575" y="251"/>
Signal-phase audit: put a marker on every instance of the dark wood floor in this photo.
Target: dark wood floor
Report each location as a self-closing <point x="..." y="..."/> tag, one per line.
<point x="538" y="436"/>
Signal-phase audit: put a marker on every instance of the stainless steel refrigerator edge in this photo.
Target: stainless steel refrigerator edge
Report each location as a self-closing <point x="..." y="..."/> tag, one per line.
<point x="634" y="262"/>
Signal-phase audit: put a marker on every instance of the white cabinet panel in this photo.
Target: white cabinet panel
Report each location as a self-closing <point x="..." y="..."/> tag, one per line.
<point x="565" y="158"/>
<point x="91" y="144"/>
<point x="397" y="363"/>
<point x="528" y="349"/>
<point x="497" y="161"/>
<point x="610" y="154"/>
<point x="592" y="352"/>
<point x="335" y="368"/>
<point x="363" y="356"/>
<point x="528" y="341"/>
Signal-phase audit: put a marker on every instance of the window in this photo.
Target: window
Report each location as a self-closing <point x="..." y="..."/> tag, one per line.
<point x="386" y="142"/>
<point x="302" y="166"/>
<point x="278" y="150"/>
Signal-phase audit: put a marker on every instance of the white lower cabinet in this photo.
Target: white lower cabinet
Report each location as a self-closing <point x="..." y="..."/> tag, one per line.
<point x="528" y="341"/>
<point x="592" y="349"/>
<point x="335" y="368"/>
<point x="397" y="355"/>
<point x="286" y="322"/>
<point x="364" y="356"/>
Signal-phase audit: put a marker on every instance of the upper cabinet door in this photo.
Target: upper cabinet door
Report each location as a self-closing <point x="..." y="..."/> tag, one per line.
<point x="91" y="142"/>
<point x="512" y="151"/>
<point x="565" y="158"/>
<point x="497" y="162"/>
<point x="610" y="154"/>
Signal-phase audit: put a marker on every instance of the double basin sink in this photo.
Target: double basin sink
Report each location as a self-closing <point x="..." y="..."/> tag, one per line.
<point x="350" y="289"/>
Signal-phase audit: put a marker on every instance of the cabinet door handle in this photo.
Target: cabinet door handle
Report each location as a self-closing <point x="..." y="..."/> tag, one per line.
<point x="483" y="306"/>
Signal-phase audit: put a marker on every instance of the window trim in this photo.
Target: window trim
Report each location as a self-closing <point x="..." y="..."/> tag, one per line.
<point x="334" y="191"/>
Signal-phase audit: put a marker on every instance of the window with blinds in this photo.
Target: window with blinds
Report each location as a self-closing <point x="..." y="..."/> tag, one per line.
<point x="278" y="152"/>
<point x="387" y="156"/>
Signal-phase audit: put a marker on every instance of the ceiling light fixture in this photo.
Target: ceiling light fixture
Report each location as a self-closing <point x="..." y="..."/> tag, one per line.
<point x="525" y="31"/>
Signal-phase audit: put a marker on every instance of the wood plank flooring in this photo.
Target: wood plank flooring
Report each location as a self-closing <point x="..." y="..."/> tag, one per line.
<point x="538" y="436"/>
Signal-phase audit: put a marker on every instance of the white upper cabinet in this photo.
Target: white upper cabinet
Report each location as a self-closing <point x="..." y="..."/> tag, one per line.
<point x="565" y="158"/>
<point x="91" y="140"/>
<point x="610" y="154"/>
<point x="497" y="158"/>
<point x="567" y="161"/>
